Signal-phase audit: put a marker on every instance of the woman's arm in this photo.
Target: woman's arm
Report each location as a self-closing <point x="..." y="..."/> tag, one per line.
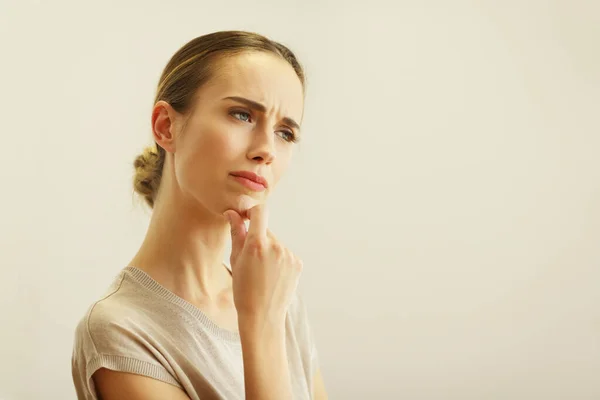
<point x="265" y="276"/>
<point x="113" y="385"/>
<point x="266" y="371"/>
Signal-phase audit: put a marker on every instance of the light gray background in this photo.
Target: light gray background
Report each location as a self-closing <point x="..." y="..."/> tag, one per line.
<point x="445" y="199"/>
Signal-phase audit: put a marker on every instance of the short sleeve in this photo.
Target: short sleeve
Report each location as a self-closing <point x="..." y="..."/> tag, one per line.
<point x="110" y="337"/>
<point x="305" y="336"/>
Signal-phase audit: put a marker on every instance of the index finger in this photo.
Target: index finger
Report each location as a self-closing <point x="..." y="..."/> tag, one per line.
<point x="259" y="220"/>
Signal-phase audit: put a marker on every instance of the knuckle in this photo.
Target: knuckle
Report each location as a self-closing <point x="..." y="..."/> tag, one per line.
<point x="277" y="247"/>
<point x="255" y="246"/>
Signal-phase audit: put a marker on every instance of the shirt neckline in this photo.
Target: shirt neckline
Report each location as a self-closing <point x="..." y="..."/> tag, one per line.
<point x="142" y="278"/>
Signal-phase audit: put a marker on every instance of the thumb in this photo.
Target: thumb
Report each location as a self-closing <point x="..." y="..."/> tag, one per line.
<point x="238" y="231"/>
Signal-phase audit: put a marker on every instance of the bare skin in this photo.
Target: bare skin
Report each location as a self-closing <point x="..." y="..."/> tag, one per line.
<point x="200" y="204"/>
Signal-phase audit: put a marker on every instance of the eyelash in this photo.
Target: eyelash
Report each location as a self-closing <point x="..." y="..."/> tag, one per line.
<point x="294" y="138"/>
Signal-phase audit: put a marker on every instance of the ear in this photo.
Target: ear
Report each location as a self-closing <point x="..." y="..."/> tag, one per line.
<point x="165" y="122"/>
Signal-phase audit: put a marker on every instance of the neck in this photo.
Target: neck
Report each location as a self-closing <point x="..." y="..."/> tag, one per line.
<point x="184" y="250"/>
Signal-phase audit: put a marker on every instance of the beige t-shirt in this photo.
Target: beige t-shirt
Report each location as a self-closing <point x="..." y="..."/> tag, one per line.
<point x="141" y="327"/>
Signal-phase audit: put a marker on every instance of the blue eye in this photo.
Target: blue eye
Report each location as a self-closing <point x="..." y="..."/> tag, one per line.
<point x="289" y="136"/>
<point x="241" y="113"/>
<point x="244" y="116"/>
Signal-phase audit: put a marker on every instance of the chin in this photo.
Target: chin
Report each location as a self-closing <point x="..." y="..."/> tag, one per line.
<point x="241" y="204"/>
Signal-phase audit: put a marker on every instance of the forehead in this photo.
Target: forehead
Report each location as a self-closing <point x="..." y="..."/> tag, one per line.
<point x="262" y="77"/>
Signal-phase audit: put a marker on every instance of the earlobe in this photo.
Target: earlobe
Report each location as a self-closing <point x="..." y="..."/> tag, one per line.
<point x="163" y="126"/>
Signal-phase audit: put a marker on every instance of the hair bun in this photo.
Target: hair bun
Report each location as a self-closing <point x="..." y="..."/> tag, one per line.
<point x="148" y="169"/>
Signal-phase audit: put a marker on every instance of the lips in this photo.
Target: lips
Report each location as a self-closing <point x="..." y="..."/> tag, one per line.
<point x="251" y="180"/>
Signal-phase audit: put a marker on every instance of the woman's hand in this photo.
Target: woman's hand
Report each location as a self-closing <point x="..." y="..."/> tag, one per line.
<point x="265" y="276"/>
<point x="265" y="273"/>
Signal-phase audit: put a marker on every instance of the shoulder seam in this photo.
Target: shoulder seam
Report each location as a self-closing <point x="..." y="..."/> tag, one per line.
<point x="89" y="316"/>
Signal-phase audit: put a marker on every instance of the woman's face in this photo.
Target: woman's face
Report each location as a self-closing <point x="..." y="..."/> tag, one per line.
<point x="244" y="120"/>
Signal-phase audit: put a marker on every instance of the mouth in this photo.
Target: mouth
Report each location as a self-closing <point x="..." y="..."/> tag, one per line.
<point x="250" y="180"/>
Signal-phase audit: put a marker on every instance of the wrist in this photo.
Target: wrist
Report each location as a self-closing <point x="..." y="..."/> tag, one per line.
<point x="253" y="326"/>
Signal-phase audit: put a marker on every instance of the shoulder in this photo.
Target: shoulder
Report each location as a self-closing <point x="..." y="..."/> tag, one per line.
<point x="97" y="329"/>
<point x="97" y="313"/>
<point x="116" y="334"/>
<point x="119" y="321"/>
<point x="111" y="310"/>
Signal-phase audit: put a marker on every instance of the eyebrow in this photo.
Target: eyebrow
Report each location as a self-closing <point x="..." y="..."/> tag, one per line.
<point x="260" y="107"/>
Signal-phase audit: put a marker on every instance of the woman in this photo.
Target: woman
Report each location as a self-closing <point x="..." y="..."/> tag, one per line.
<point x="177" y="323"/>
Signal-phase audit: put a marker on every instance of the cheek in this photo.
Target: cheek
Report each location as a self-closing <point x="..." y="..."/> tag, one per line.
<point x="208" y="154"/>
<point x="221" y="140"/>
<point x="210" y="140"/>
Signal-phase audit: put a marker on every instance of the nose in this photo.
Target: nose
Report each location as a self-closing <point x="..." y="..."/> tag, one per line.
<point x="262" y="149"/>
